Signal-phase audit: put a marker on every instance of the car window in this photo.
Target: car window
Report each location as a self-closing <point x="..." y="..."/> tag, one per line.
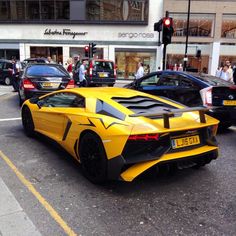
<point x="45" y="70"/>
<point x="9" y="66"/>
<point x="1" y="65"/>
<point x="63" y="100"/>
<point x="151" y="80"/>
<point x="213" y="80"/>
<point x="103" y="65"/>
<point x="169" y="80"/>
<point x="186" y="82"/>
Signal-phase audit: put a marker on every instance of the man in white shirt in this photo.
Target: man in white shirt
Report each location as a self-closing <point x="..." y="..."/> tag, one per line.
<point x="225" y="73"/>
<point x="140" y="71"/>
<point x="82" y="72"/>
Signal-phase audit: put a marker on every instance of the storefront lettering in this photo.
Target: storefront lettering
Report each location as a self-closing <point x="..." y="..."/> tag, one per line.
<point x="67" y="32"/>
<point x="136" y="35"/>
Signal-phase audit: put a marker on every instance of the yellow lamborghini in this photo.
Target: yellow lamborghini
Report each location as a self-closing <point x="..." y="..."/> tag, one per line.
<point x="117" y="133"/>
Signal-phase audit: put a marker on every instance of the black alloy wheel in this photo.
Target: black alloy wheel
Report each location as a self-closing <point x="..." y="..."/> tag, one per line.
<point x="27" y="121"/>
<point x="93" y="158"/>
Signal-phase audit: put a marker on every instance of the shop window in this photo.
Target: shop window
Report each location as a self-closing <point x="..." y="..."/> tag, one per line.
<point x="117" y="10"/>
<point x="200" y="25"/>
<point x="4" y="10"/>
<point x="228" y="26"/>
<point x="127" y="62"/>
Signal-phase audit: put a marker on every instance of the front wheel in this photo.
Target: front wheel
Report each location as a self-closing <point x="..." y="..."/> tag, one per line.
<point x="27" y="121"/>
<point x="93" y="158"/>
<point x="7" y="81"/>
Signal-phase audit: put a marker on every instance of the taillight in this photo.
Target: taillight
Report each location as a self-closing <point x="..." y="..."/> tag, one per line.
<point x="71" y="84"/>
<point x="208" y="97"/>
<point x="232" y="87"/>
<point x="115" y="73"/>
<point x="144" y="137"/>
<point x="27" y="84"/>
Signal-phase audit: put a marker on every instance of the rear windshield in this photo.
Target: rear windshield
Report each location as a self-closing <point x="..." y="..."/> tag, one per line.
<point x="103" y="65"/>
<point x="214" y="81"/>
<point x="46" y="70"/>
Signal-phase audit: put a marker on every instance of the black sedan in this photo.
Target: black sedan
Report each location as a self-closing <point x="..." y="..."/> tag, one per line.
<point x="40" y="79"/>
<point x="193" y="90"/>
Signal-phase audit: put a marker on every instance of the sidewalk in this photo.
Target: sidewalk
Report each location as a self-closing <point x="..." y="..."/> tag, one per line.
<point x="13" y="220"/>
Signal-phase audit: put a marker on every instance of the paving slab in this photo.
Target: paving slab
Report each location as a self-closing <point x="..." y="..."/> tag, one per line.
<point x="13" y="220"/>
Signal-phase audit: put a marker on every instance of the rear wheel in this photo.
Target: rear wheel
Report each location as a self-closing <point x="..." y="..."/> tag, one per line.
<point x="225" y="125"/>
<point x="27" y="121"/>
<point x="93" y="158"/>
<point x="7" y="81"/>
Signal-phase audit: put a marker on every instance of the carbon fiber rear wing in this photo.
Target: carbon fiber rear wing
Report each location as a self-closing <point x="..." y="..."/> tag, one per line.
<point x="170" y="113"/>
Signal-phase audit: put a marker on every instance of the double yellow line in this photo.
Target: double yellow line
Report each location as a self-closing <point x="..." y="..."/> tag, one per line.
<point x="40" y="198"/>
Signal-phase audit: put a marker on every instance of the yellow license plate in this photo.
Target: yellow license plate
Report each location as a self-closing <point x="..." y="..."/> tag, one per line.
<point x="229" y="102"/>
<point x="185" y="141"/>
<point x="102" y="75"/>
<point x="49" y="84"/>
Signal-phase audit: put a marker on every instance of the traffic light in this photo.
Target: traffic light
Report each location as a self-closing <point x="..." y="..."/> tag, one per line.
<point x="93" y="49"/>
<point x="158" y="26"/>
<point x="167" y="30"/>
<point x="86" y="51"/>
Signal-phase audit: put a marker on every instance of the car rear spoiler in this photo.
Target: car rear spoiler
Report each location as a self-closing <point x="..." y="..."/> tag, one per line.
<point x="170" y="113"/>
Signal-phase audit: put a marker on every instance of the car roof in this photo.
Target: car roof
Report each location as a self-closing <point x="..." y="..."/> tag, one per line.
<point x="5" y="60"/>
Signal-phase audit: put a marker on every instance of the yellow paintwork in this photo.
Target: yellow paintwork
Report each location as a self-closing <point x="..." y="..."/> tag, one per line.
<point x="52" y="121"/>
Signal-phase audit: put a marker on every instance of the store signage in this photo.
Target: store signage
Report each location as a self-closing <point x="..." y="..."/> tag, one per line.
<point x="63" y="32"/>
<point x="136" y="35"/>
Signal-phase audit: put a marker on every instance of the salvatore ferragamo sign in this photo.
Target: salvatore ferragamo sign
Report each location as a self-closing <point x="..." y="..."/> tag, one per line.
<point x="63" y="32"/>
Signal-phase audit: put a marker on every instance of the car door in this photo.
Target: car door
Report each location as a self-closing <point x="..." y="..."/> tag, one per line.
<point x="149" y="83"/>
<point x="168" y="85"/>
<point x="51" y="118"/>
<point x="189" y="91"/>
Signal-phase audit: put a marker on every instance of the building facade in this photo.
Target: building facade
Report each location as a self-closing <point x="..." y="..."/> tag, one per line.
<point x="212" y="33"/>
<point x="122" y="30"/>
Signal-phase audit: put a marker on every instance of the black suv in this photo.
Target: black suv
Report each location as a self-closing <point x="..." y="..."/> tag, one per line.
<point x="6" y="68"/>
<point x="99" y="72"/>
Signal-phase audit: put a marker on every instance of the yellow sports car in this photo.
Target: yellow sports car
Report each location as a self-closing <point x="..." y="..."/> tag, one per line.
<point x="117" y="133"/>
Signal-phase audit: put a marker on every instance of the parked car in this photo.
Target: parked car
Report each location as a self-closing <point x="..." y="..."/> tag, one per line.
<point x="193" y="90"/>
<point x="36" y="60"/>
<point x="39" y="79"/>
<point x="118" y="133"/>
<point x="99" y="72"/>
<point x="6" y="68"/>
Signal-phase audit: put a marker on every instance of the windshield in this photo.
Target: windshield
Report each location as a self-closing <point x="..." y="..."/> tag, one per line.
<point x="45" y="70"/>
<point x="212" y="80"/>
<point x="103" y="65"/>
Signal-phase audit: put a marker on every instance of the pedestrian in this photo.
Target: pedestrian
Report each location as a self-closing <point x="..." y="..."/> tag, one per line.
<point x="180" y="67"/>
<point x="224" y="74"/>
<point x="140" y="71"/>
<point x="82" y="73"/>
<point x="218" y="71"/>
<point x="230" y="71"/>
<point x="234" y="74"/>
<point x="50" y="61"/>
<point x="15" y="75"/>
<point x="70" y="67"/>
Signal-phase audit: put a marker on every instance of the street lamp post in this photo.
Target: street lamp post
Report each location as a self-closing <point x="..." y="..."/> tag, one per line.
<point x="187" y="33"/>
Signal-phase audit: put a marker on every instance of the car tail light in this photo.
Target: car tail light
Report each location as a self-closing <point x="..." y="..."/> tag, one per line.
<point x="232" y="87"/>
<point x="115" y="68"/>
<point x="144" y="137"/>
<point x="27" y="84"/>
<point x="208" y="97"/>
<point x="71" y="84"/>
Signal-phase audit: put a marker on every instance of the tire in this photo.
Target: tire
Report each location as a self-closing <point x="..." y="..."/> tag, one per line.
<point x="225" y="125"/>
<point x="27" y="122"/>
<point x="21" y="101"/>
<point x="7" y="80"/>
<point x="93" y="158"/>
